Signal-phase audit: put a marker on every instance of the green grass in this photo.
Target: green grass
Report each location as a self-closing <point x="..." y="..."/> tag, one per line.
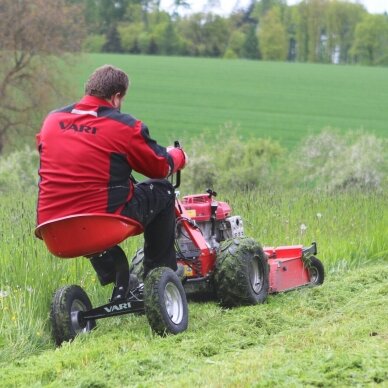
<point x="183" y="97"/>
<point x="350" y="229"/>
<point x="334" y="335"/>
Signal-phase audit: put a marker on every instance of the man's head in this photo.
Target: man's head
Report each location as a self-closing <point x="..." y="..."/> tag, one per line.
<point x="108" y="82"/>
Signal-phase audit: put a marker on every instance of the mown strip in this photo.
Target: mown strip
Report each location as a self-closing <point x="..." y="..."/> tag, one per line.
<point x="333" y="335"/>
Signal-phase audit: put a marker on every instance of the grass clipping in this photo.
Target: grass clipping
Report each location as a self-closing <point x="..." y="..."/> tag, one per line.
<point x="333" y="335"/>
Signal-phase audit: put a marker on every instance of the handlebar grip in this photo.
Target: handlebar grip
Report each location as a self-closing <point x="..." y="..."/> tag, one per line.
<point x="178" y="179"/>
<point x="178" y="173"/>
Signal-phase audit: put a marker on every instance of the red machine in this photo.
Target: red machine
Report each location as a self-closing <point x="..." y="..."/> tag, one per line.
<point x="213" y="254"/>
<point x="217" y="257"/>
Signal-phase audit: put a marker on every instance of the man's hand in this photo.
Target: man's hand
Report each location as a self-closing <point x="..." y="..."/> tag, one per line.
<point x="179" y="158"/>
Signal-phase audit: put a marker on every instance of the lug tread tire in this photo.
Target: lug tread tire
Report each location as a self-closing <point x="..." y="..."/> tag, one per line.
<point x="60" y="312"/>
<point x="317" y="266"/>
<point x="232" y="273"/>
<point x="137" y="265"/>
<point x="154" y="302"/>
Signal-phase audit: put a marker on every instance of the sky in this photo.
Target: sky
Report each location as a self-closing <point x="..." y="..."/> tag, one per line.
<point x="226" y="6"/>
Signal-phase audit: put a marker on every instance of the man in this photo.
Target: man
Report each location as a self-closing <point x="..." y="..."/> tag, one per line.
<point x="87" y="153"/>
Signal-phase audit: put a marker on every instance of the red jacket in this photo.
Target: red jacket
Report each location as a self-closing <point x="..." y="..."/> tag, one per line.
<point x="87" y="153"/>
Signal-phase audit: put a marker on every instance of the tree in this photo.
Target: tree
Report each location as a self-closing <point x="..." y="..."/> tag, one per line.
<point x="180" y="4"/>
<point x="32" y="34"/>
<point x="113" y="41"/>
<point x="130" y="36"/>
<point x="216" y="32"/>
<point x="311" y="33"/>
<point x="235" y="44"/>
<point x="370" y="45"/>
<point x="262" y="7"/>
<point x="250" y="47"/>
<point x="341" y="21"/>
<point x="273" y="37"/>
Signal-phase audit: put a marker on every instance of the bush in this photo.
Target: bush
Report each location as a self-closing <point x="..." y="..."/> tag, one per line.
<point x="231" y="163"/>
<point x="329" y="161"/>
<point x="19" y="171"/>
<point x="94" y="43"/>
<point x="335" y="161"/>
<point x="230" y="54"/>
<point x="129" y="35"/>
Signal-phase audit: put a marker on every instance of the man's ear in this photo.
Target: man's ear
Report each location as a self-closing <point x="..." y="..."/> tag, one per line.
<point x="115" y="100"/>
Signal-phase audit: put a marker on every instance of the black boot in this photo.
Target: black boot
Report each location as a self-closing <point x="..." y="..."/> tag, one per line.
<point x="121" y="266"/>
<point x="104" y="266"/>
<point x="112" y="267"/>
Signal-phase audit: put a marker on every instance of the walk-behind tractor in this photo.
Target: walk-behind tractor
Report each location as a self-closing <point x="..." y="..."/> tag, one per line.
<point x="214" y="257"/>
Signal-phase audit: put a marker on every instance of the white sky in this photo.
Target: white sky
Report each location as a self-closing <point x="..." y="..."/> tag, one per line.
<point x="226" y="6"/>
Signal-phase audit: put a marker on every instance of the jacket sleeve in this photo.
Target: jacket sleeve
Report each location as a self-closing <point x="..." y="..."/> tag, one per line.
<point x="146" y="156"/>
<point x="37" y="141"/>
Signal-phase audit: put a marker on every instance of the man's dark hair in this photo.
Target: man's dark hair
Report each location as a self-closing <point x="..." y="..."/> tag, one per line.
<point x="106" y="81"/>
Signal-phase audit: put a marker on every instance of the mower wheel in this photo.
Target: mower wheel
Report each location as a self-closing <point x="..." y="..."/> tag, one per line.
<point x="316" y="271"/>
<point x="165" y="302"/>
<point x="67" y="302"/>
<point x="137" y="265"/>
<point x="241" y="275"/>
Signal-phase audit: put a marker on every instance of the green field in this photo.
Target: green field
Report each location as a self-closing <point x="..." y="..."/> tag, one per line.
<point x="182" y="97"/>
<point x="331" y="335"/>
<point x="334" y="335"/>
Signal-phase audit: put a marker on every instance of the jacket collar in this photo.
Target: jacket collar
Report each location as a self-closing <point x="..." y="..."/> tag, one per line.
<point x="95" y="101"/>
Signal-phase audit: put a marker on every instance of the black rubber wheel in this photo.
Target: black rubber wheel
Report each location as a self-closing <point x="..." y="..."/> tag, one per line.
<point x="66" y="304"/>
<point x="165" y="302"/>
<point x="241" y="275"/>
<point x="137" y="265"/>
<point x="316" y="271"/>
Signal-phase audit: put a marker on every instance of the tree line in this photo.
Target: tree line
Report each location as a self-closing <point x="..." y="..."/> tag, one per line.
<point x="317" y="31"/>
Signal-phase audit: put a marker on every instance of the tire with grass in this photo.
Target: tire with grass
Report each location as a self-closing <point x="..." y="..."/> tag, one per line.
<point x="241" y="274"/>
<point x="316" y="271"/>
<point x="165" y="302"/>
<point x="66" y="304"/>
<point x="137" y="265"/>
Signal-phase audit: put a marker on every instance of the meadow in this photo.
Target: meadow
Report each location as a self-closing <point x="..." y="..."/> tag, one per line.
<point x="337" y="333"/>
<point x="184" y="97"/>
<point x="333" y="335"/>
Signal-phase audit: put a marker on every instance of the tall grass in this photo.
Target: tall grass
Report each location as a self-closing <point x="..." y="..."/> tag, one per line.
<point x="29" y="276"/>
<point x="350" y="229"/>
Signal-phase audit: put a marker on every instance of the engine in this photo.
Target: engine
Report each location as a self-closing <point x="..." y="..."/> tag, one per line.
<point x="213" y="218"/>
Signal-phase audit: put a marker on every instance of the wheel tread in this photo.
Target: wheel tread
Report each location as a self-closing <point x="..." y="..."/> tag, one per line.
<point x="232" y="272"/>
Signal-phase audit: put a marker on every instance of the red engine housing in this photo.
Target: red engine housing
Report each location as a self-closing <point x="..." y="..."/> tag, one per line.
<point x="198" y="207"/>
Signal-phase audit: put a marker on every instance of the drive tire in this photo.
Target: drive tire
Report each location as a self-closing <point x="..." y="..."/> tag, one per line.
<point x="165" y="302"/>
<point x="316" y="271"/>
<point x="137" y="265"/>
<point x="67" y="301"/>
<point x="241" y="274"/>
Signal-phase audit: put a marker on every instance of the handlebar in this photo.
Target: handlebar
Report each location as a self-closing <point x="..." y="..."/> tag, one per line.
<point x="178" y="173"/>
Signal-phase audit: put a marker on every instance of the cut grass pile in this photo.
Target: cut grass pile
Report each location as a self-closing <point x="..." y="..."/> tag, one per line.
<point x="333" y="335"/>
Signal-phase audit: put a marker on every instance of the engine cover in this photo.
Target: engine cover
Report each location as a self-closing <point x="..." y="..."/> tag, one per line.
<point x="198" y="207"/>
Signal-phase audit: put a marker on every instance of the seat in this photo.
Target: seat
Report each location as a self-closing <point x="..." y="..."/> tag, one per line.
<point x="86" y="234"/>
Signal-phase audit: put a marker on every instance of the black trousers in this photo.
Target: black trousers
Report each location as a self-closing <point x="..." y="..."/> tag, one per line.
<point x="153" y="205"/>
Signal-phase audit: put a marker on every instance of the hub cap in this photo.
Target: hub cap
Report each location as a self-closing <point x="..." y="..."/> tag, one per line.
<point x="173" y="303"/>
<point x="313" y="275"/>
<point x="76" y="307"/>
<point x="255" y="276"/>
